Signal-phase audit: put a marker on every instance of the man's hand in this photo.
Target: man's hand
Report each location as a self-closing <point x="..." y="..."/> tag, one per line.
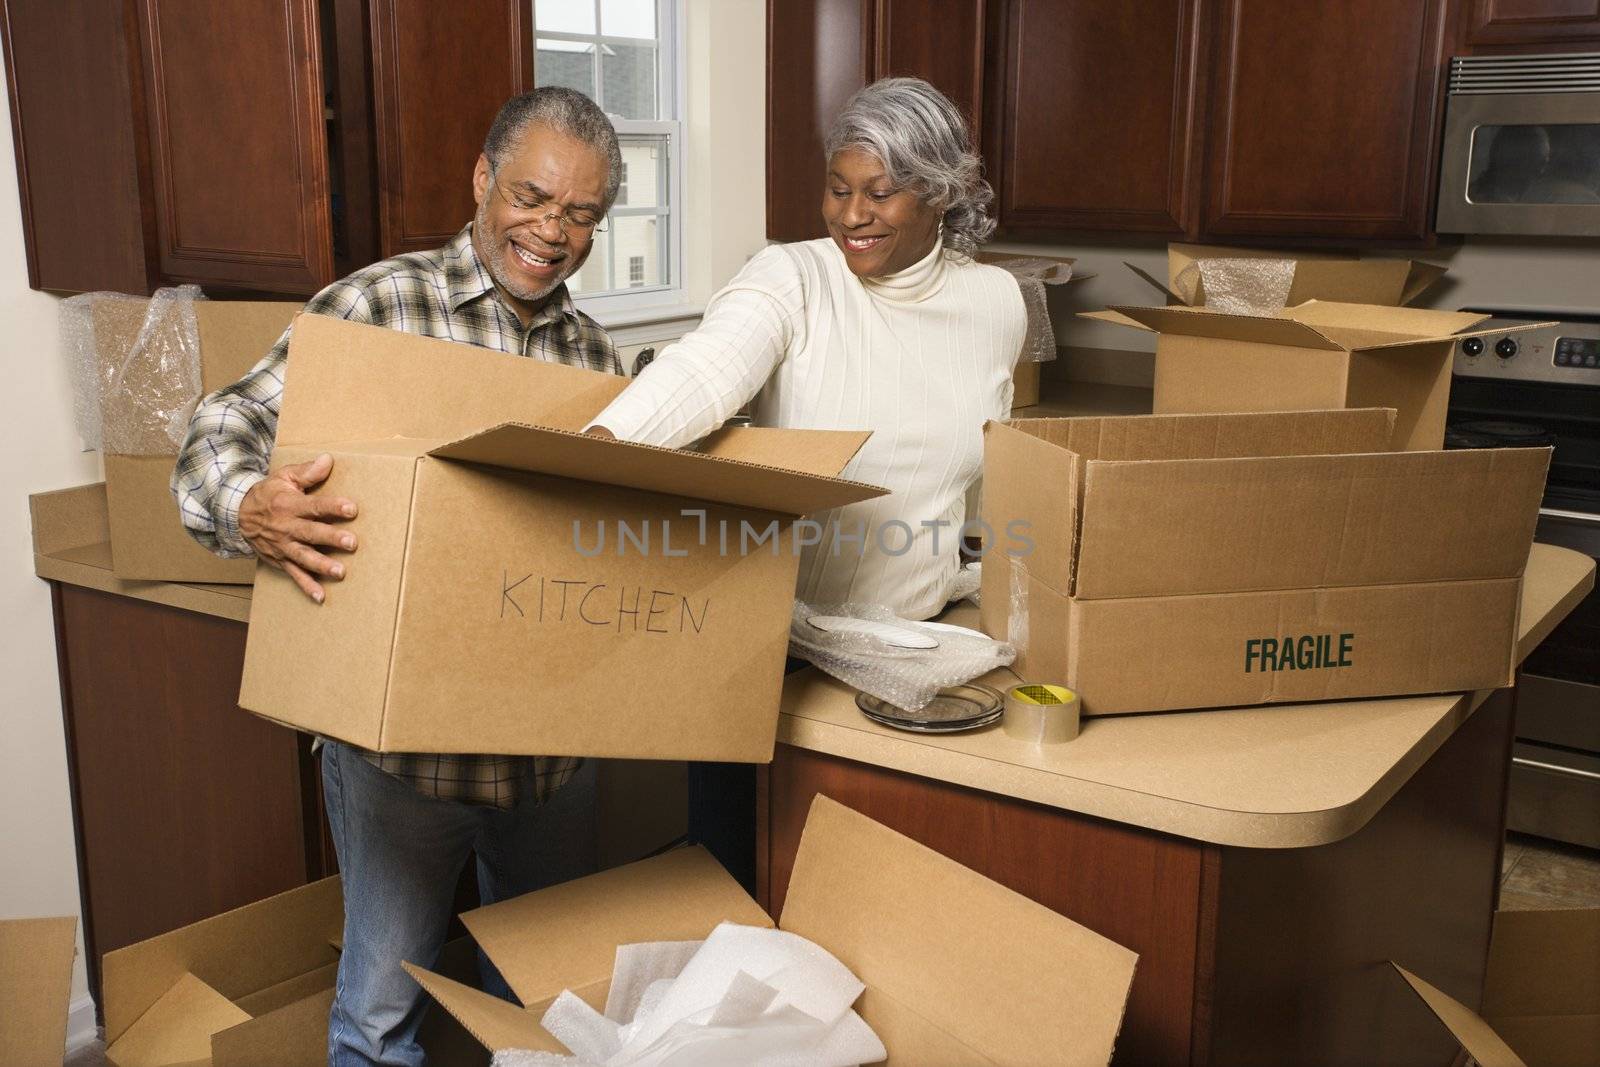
<point x="282" y="523"/>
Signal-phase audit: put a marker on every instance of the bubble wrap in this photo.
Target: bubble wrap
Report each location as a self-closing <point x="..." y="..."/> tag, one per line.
<point x="744" y="997"/>
<point x="135" y="381"/>
<point x="905" y="677"/>
<point x="1244" y="286"/>
<point x="1032" y="276"/>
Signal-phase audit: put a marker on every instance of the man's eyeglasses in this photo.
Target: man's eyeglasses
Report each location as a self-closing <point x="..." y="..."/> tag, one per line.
<point x="580" y="224"/>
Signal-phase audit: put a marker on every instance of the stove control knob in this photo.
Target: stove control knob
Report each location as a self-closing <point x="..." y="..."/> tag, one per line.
<point x="1506" y="347"/>
<point x="1472" y="346"/>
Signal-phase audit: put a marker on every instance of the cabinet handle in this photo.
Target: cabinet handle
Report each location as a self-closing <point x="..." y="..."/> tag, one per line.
<point x="1571" y="772"/>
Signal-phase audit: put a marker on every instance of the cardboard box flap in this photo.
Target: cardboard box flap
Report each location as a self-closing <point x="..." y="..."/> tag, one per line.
<point x="565" y="937"/>
<point x="674" y="472"/>
<point x="1200" y="322"/>
<point x="824" y="452"/>
<point x="1328" y="275"/>
<point x="1027" y="477"/>
<point x="1542" y="989"/>
<point x="1403" y="323"/>
<point x="496" y="1024"/>
<point x="235" y="335"/>
<point x="1154" y="283"/>
<point x="1386" y="343"/>
<point x="35" y="988"/>
<point x="346" y="381"/>
<point x="177" y="1028"/>
<point x="1267" y="433"/>
<point x="992" y="969"/>
<point x="237" y="953"/>
<point x="1475" y="1035"/>
<point x="1342" y="520"/>
<point x="1420" y="278"/>
<point x="294" y="1035"/>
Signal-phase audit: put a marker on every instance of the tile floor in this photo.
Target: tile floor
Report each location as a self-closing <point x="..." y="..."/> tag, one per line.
<point x="1535" y="875"/>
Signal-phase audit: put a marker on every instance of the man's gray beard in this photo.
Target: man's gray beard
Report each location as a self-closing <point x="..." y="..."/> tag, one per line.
<point x="495" y="262"/>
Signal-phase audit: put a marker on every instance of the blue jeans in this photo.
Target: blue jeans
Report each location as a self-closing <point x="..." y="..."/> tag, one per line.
<point x="400" y="856"/>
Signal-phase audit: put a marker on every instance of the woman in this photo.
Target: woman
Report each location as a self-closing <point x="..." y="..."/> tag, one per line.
<point x="885" y="325"/>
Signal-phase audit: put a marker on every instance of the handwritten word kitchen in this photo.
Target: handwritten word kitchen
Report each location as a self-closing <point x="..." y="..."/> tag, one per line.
<point x="623" y="609"/>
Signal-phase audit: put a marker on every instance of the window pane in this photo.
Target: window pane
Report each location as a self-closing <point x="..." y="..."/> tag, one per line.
<point x="595" y="274"/>
<point x="628" y="18"/>
<point x="564" y="16"/>
<point x="644" y="169"/>
<point x="1550" y="164"/>
<point x="629" y="74"/>
<point x="638" y="260"/>
<point x="568" y="63"/>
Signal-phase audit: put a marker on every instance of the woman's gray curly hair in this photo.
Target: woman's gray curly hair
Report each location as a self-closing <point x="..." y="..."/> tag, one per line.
<point x="921" y="139"/>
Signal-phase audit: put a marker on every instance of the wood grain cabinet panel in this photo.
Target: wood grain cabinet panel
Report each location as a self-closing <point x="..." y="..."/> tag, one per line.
<point x="1535" y="25"/>
<point x="940" y="41"/>
<point x="71" y="74"/>
<point x="238" y="143"/>
<point x="1098" y="102"/>
<point x="440" y="73"/>
<point x="1325" y="117"/>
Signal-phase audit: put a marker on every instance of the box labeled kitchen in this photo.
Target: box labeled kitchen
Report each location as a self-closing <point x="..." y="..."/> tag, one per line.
<point x="1192" y="561"/>
<point x="985" y="977"/>
<point x="1342" y="277"/>
<point x="1317" y="355"/>
<point x="148" y="540"/>
<point x="521" y="587"/>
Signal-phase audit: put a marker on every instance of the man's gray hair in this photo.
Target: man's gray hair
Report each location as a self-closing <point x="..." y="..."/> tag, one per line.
<point x="565" y="110"/>
<point x="921" y="139"/>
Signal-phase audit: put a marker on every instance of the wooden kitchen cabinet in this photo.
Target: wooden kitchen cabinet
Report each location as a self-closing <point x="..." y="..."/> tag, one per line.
<point x="1324" y="118"/>
<point x="1531" y="26"/>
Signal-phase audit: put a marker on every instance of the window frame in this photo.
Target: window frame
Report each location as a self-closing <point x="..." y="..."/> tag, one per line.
<point x="671" y="84"/>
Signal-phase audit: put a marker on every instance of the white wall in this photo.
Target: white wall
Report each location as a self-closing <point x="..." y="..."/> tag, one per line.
<point x="39" y="450"/>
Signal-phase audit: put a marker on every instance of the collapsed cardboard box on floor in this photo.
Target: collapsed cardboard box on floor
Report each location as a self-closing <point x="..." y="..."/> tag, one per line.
<point x="1335" y="276"/>
<point x="523" y="588"/>
<point x="1192" y="561"/>
<point x="997" y="979"/>
<point x="36" y="957"/>
<point x="1312" y="356"/>
<point x="148" y="541"/>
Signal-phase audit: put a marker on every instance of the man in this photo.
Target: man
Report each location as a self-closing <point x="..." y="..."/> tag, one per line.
<point x="403" y="825"/>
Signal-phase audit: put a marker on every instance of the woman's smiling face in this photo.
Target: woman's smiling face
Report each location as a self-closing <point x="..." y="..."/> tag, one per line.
<point x="880" y="229"/>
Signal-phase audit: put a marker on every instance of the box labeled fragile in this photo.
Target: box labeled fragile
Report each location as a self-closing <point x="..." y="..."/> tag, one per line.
<point x="985" y="976"/>
<point x="523" y="588"/>
<point x="1164" y="562"/>
<point x="1316" y="355"/>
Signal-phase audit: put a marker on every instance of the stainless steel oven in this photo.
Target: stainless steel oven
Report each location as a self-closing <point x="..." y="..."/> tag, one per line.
<point x="1522" y="146"/>
<point x="1543" y="388"/>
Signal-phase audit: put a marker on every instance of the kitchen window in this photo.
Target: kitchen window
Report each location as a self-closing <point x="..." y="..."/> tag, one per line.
<point x="623" y="54"/>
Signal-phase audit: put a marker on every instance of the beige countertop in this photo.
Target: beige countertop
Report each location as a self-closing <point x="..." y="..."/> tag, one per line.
<point x="1281" y="776"/>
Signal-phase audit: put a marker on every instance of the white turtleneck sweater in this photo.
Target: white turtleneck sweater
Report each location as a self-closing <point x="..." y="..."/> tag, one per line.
<point x="921" y="358"/>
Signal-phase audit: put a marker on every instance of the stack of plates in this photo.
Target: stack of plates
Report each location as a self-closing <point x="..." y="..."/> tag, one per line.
<point x="959" y="707"/>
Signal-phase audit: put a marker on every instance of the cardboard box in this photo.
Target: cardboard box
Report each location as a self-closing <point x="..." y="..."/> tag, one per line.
<point x="1314" y="356"/>
<point x="985" y="977"/>
<point x="1334" y="276"/>
<point x="1190" y="561"/>
<point x="250" y="988"/>
<point x="148" y="541"/>
<point x="1025" y="384"/>
<point x="35" y="989"/>
<point x="470" y="621"/>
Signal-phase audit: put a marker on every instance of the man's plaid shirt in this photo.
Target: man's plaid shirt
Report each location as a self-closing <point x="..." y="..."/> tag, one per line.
<point x="446" y="293"/>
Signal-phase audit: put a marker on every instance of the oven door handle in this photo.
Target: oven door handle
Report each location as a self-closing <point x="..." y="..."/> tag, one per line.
<point x="1571" y="772"/>
<point x="1582" y="518"/>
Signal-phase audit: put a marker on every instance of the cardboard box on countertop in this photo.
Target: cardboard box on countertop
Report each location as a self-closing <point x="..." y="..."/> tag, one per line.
<point x="1025" y="384"/>
<point x="148" y="540"/>
<point x="496" y="603"/>
<point x="1192" y="561"/>
<point x="1334" y="276"/>
<point x="36" y="957"/>
<point x="1312" y="356"/>
<point x="987" y="977"/>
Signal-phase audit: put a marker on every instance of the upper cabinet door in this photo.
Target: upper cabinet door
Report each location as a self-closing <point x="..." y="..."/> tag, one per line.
<point x="238" y="145"/>
<point x="818" y="53"/>
<point x="1097" y="107"/>
<point x="940" y="41"/>
<point x="1325" y="118"/>
<point x="440" y="72"/>
<point x="1533" y="25"/>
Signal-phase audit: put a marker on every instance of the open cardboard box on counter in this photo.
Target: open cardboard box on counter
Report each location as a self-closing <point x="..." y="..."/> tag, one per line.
<point x="148" y="541"/>
<point x="1335" y="276"/>
<point x="482" y="612"/>
<point x="985" y="977"/>
<point x="1025" y="379"/>
<point x="1193" y="561"/>
<point x="1311" y="356"/>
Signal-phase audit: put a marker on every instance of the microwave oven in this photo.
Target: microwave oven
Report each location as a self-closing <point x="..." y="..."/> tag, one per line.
<point x="1521" y="150"/>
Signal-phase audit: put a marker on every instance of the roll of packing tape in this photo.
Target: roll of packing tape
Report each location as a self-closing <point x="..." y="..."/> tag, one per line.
<point x="1041" y="714"/>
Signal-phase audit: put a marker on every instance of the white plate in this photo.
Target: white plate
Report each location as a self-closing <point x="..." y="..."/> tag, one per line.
<point x="949" y="628"/>
<point x="898" y="636"/>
